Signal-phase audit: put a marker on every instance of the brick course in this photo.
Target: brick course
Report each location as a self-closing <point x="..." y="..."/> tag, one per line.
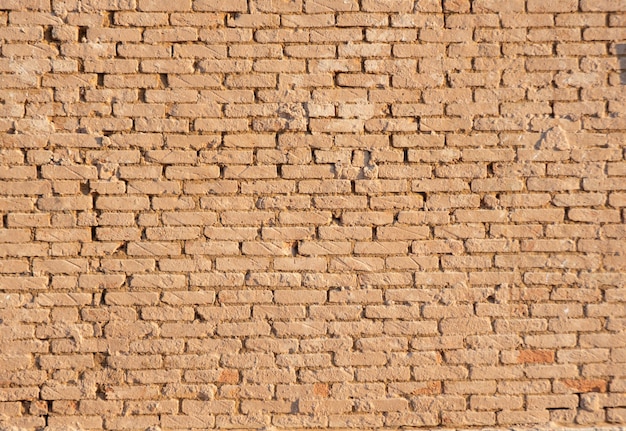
<point x="311" y="214"/>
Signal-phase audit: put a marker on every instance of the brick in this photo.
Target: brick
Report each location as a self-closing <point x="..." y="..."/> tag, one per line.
<point x="122" y="203"/>
<point x="588" y="215"/>
<point x="119" y="298"/>
<point x="553" y="215"/>
<point x="401" y="233"/>
<point x="523" y="417"/>
<point x="470" y="418"/>
<point x="61" y="235"/>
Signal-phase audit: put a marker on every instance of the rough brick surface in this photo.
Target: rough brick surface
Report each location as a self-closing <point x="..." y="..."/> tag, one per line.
<point x="309" y="214"/>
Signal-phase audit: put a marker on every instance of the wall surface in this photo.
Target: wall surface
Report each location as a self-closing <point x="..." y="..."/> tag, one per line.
<point x="300" y="214"/>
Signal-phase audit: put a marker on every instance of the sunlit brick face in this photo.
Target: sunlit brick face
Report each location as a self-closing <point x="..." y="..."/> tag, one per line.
<point x="312" y="214"/>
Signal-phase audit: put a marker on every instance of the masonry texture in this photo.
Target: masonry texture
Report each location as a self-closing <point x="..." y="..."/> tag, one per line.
<point x="309" y="214"/>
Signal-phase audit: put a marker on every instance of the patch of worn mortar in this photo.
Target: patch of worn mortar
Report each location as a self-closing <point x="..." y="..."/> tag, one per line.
<point x="554" y="139"/>
<point x="293" y="116"/>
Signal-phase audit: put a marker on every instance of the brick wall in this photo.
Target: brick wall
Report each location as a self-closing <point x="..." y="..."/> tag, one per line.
<point x="299" y="214"/>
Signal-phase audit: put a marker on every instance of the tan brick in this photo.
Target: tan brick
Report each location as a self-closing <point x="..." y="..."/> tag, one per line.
<point x="522" y="417"/>
<point x="122" y="203"/>
<point x="589" y="215"/>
